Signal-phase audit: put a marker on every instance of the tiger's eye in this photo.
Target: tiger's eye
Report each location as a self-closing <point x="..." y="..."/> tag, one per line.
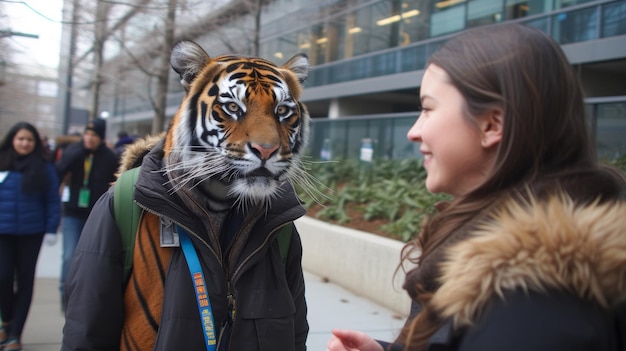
<point x="282" y="110"/>
<point x="232" y="107"/>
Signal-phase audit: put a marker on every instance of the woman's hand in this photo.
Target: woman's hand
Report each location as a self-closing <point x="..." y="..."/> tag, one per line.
<point x="350" y="340"/>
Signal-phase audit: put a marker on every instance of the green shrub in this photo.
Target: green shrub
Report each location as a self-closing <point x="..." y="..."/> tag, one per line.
<point x="387" y="190"/>
<point x="391" y="191"/>
<point x="619" y="162"/>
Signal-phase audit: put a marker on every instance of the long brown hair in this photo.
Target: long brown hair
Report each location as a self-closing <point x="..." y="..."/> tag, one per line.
<point x="524" y="73"/>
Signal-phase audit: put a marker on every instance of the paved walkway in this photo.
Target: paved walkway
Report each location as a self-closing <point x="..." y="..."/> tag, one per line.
<point x="330" y="306"/>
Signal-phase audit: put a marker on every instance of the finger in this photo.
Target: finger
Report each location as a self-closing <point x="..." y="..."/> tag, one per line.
<point x="346" y="337"/>
<point x="335" y="344"/>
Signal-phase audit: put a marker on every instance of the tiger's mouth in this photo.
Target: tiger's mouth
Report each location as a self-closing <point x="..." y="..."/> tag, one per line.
<point x="260" y="172"/>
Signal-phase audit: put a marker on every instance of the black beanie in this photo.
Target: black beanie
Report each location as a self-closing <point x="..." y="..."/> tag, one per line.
<point x="99" y="126"/>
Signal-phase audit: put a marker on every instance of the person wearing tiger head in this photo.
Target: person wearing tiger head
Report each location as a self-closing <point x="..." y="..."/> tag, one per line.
<point x="530" y="253"/>
<point x="219" y="180"/>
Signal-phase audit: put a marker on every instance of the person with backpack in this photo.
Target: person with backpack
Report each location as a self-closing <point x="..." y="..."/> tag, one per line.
<point x="267" y="285"/>
<point x="216" y="259"/>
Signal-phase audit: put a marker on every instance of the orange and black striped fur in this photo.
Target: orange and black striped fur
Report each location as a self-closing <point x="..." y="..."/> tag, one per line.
<point x="240" y="123"/>
<point x="144" y="292"/>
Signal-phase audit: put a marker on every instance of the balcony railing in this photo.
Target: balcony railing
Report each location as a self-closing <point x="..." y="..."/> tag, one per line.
<point x="345" y="138"/>
<point x="573" y="24"/>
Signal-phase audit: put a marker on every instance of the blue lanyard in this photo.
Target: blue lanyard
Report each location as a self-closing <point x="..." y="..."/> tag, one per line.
<point x="202" y="294"/>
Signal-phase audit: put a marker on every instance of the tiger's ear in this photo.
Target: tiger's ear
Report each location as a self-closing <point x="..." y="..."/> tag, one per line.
<point x="188" y="59"/>
<point x="299" y="64"/>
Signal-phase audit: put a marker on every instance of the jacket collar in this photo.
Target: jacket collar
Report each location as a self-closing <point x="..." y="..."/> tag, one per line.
<point x="154" y="192"/>
<point x="538" y="247"/>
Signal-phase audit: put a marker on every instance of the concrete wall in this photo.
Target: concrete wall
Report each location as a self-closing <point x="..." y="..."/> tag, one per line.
<point x="361" y="262"/>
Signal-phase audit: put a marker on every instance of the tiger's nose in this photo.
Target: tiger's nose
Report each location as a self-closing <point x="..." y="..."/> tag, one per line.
<point x="263" y="151"/>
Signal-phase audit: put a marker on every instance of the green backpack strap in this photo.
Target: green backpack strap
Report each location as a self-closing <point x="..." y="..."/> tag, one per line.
<point x="283" y="237"/>
<point x="127" y="214"/>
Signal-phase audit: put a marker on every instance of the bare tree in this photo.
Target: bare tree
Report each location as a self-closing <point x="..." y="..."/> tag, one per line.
<point x="102" y="14"/>
<point x="158" y="123"/>
<point x="145" y="57"/>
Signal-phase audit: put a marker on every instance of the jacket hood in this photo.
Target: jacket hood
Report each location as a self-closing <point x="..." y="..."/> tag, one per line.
<point x="134" y="153"/>
<point x="553" y="245"/>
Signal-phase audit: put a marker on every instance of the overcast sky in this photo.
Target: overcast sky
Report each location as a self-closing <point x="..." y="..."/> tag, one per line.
<point x="39" y="17"/>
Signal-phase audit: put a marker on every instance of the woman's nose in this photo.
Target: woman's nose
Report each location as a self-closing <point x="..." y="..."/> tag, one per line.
<point x="415" y="132"/>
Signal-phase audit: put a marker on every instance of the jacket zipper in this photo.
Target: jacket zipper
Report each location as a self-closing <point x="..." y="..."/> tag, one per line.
<point x="270" y="236"/>
<point x="231" y="297"/>
<point x="183" y="226"/>
<point x="232" y="300"/>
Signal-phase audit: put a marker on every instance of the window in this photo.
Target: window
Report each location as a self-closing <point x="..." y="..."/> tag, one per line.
<point x="614" y="19"/>
<point x="48" y="89"/>
<point x="482" y="12"/>
<point x="449" y="20"/>
<point x="611" y="126"/>
<point x="576" y="26"/>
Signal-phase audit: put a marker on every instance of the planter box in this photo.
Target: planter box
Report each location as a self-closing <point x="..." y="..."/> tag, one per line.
<point x="361" y="262"/>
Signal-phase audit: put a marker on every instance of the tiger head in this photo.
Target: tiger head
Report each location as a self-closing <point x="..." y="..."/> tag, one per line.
<point x="240" y="122"/>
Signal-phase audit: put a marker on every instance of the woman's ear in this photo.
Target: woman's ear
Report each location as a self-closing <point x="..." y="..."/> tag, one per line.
<point x="491" y="126"/>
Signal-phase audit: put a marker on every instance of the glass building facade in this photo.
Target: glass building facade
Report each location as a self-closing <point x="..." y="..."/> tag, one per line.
<point x="392" y="36"/>
<point x="368" y="57"/>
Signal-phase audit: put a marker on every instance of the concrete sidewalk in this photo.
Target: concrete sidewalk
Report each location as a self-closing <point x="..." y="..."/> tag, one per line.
<point x="330" y="306"/>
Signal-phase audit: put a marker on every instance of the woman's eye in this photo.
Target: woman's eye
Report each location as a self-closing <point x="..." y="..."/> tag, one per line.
<point x="232" y="107"/>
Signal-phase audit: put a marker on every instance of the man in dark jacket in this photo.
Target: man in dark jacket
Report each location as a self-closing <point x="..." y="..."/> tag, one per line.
<point x="90" y="168"/>
<point x="267" y="294"/>
<point x="208" y="268"/>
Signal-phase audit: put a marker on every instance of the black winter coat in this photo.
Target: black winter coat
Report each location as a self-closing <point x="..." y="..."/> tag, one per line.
<point x="270" y="302"/>
<point x="100" y="178"/>
<point x="549" y="277"/>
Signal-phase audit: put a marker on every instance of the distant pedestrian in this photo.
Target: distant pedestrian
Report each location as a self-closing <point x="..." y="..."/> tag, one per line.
<point x="61" y="142"/>
<point x="90" y="166"/>
<point x="29" y="208"/>
<point x="45" y="141"/>
<point x="123" y="140"/>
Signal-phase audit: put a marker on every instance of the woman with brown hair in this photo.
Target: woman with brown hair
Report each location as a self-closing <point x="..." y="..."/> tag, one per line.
<point x="531" y="252"/>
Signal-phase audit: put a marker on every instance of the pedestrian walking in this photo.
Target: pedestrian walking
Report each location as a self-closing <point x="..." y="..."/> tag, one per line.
<point x="30" y="209"/>
<point x="90" y="167"/>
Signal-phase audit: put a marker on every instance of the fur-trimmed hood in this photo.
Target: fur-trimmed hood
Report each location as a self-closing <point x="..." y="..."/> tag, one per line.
<point x="134" y="153"/>
<point x="537" y="247"/>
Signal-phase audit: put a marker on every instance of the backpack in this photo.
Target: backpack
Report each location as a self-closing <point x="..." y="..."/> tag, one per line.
<point x="127" y="214"/>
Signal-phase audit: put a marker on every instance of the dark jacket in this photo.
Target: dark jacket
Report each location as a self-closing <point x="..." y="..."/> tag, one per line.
<point x="549" y="277"/>
<point x="29" y="213"/>
<point x="270" y="301"/>
<point x="100" y="178"/>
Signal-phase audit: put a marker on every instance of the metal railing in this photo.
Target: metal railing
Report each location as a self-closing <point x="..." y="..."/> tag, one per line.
<point x="573" y="24"/>
<point x="570" y="25"/>
<point x="385" y="135"/>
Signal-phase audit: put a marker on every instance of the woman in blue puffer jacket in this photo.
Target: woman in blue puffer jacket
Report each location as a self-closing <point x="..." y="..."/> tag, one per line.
<point x="29" y="208"/>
